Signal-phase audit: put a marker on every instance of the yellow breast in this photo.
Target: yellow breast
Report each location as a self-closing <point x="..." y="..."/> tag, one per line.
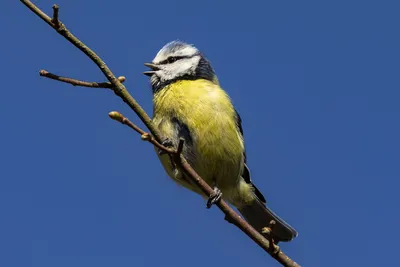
<point x="209" y="115"/>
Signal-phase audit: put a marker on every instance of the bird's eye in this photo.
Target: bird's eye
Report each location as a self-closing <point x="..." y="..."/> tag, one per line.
<point x="172" y="59"/>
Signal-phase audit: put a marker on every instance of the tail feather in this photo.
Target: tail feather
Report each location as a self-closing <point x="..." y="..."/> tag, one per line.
<point x="259" y="215"/>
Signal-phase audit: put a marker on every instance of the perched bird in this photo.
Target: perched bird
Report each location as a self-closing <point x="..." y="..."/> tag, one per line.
<point x="190" y="104"/>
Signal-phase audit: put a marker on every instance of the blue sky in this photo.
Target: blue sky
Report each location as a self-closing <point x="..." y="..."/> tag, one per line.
<point x="317" y="86"/>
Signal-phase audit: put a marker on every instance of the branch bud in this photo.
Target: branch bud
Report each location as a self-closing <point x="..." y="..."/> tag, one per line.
<point x="115" y="115"/>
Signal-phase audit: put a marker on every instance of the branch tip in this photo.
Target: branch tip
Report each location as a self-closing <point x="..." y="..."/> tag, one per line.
<point x="146" y="137"/>
<point x="121" y="79"/>
<point x="115" y="115"/>
<point x="43" y="73"/>
<point x="55" y="19"/>
<point x="75" y="82"/>
<point x="266" y="230"/>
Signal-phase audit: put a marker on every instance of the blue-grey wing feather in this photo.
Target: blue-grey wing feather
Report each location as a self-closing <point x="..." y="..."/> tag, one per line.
<point x="246" y="171"/>
<point x="182" y="131"/>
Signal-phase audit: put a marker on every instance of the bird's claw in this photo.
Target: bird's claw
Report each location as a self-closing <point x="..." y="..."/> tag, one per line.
<point x="214" y="197"/>
<point x="166" y="143"/>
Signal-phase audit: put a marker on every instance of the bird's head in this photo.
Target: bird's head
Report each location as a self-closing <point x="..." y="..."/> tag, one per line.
<point x="178" y="61"/>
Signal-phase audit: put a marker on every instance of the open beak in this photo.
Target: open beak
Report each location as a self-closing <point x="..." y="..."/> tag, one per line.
<point x="153" y="68"/>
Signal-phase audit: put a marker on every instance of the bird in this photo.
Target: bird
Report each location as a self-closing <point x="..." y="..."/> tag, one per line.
<point x="189" y="104"/>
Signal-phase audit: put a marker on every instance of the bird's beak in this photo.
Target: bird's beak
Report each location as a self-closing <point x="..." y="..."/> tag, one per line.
<point x="153" y="67"/>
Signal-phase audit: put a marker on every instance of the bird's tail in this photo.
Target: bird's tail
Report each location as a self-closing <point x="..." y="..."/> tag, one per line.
<point x="259" y="216"/>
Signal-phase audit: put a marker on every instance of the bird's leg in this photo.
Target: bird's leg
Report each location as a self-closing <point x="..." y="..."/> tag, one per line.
<point x="214" y="197"/>
<point x="167" y="143"/>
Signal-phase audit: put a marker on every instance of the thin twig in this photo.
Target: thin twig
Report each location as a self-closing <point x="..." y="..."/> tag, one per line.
<point x="267" y="232"/>
<point x="234" y="218"/>
<point x="76" y="82"/>
<point x="55" y="20"/>
<point x="115" y="115"/>
<point x="155" y="137"/>
<point x="118" y="88"/>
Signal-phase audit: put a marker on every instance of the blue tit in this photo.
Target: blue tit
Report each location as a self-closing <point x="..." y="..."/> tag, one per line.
<point x="189" y="103"/>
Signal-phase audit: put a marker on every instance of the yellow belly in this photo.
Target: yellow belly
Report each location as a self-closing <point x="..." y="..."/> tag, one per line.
<point x="209" y="115"/>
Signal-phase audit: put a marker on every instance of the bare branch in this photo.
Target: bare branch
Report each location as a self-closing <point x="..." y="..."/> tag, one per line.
<point x="230" y="214"/>
<point x="267" y="231"/>
<point x="118" y="88"/>
<point x="155" y="138"/>
<point x="75" y="82"/>
<point x="115" y="115"/>
<point x="55" y="20"/>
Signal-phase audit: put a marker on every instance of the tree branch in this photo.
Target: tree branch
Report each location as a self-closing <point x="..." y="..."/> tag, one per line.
<point x="55" y="20"/>
<point x="75" y="82"/>
<point x="230" y="214"/>
<point x="155" y="137"/>
<point x="118" y="88"/>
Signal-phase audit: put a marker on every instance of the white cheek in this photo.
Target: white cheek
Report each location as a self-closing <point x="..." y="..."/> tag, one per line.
<point x="179" y="69"/>
<point x="185" y="67"/>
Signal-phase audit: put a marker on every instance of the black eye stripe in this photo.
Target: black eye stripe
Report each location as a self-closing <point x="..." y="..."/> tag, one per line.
<point x="172" y="59"/>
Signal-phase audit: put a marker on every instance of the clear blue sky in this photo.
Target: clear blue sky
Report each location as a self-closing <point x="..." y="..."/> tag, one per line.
<point x="317" y="86"/>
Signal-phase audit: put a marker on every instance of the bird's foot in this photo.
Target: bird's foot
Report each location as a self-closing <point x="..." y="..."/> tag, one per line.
<point x="166" y="143"/>
<point x="214" y="197"/>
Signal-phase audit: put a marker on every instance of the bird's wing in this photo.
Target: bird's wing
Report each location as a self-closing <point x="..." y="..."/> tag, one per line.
<point x="182" y="131"/>
<point x="246" y="171"/>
